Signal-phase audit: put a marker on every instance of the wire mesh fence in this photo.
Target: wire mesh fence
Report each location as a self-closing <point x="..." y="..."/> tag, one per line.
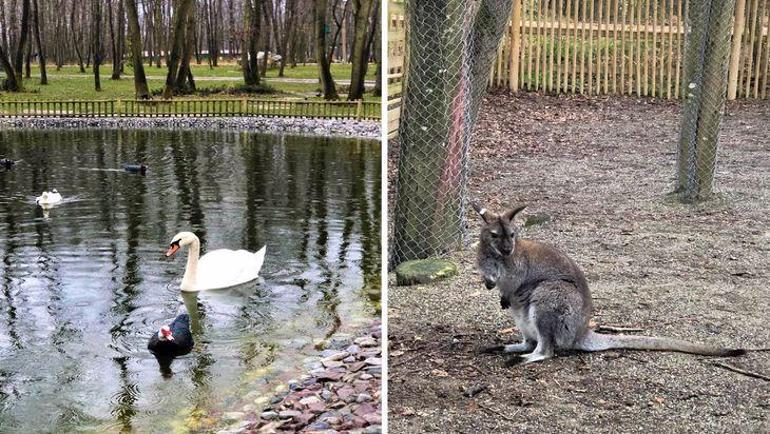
<point x="451" y="47"/>
<point x="707" y="50"/>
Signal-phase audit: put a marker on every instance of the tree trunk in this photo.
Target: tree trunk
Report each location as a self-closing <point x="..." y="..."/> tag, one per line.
<point x="177" y="46"/>
<point x="707" y="53"/>
<point x="11" y="82"/>
<point x="157" y="35"/>
<point x="28" y="61"/>
<point x="288" y="34"/>
<point x="76" y="39"/>
<point x="140" y="80"/>
<point x="251" y="28"/>
<point x="436" y="126"/>
<point x="38" y="39"/>
<point x="363" y="10"/>
<point x="185" y="82"/>
<point x="113" y="42"/>
<point x="96" y="41"/>
<point x="266" y="37"/>
<point x="324" y="71"/>
<point x="21" y="48"/>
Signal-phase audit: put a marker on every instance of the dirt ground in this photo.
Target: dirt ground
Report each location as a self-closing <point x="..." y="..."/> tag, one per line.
<point x="599" y="171"/>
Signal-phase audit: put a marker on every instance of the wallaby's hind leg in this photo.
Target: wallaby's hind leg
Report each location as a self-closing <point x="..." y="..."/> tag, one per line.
<point x="541" y="352"/>
<point x="521" y="347"/>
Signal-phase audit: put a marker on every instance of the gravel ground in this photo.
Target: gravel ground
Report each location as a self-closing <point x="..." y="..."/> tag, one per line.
<point x="599" y="171"/>
<point x="270" y="125"/>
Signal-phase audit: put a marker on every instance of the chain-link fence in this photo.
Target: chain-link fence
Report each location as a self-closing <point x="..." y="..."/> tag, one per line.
<point x="451" y="46"/>
<point x="707" y="50"/>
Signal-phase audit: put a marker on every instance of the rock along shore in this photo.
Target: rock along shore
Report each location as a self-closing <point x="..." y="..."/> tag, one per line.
<point x="257" y="124"/>
<point x="339" y="394"/>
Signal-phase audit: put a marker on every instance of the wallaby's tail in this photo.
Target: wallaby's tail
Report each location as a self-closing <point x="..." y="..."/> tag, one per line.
<point x="600" y="342"/>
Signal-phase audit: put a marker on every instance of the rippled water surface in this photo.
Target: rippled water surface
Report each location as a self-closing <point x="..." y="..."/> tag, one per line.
<point x="84" y="284"/>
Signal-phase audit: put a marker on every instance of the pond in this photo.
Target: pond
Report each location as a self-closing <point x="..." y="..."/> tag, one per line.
<point x="84" y="284"/>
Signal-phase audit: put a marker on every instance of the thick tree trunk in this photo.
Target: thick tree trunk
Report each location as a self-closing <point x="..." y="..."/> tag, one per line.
<point x="38" y="39"/>
<point x="436" y="126"/>
<point x="363" y="10"/>
<point x="11" y="82"/>
<point x="185" y="82"/>
<point x="705" y="85"/>
<point x="177" y="46"/>
<point x="324" y="71"/>
<point x="140" y="80"/>
<point x="251" y="26"/>
<point x="266" y="37"/>
<point x="24" y="32"/>
<point x="96" y="41"/>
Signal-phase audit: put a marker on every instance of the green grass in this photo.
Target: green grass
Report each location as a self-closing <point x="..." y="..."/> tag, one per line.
<point x="70" y="84"/>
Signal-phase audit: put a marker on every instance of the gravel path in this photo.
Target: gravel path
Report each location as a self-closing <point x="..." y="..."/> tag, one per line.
<point x="270" y="125"/>
<point x="599" y="171"/>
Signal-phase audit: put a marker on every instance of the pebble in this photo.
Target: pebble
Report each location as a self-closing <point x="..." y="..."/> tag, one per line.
<point x="366" y="341"/>
<point x="268" y="415"/>
<point x="233" y="416"/>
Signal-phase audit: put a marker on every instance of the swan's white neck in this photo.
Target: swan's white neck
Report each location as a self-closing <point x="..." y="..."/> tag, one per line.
<point x="190" y="279"/>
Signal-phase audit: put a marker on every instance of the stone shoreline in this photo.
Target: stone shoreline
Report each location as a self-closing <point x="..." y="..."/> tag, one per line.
<point x="339" y="394"/>
<point x="257" y="124"/>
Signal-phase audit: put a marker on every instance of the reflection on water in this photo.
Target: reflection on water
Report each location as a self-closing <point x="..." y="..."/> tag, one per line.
<point x="84" y="285"/>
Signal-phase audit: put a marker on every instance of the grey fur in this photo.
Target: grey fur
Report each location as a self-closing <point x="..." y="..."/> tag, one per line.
<point x="549" y="298"/>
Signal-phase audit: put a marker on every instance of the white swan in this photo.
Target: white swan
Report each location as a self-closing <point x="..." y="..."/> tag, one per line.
<point x="217" y="269"/>
<point x="48" y="198"/>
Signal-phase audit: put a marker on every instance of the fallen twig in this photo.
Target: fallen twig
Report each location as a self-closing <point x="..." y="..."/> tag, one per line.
<point x="475" y="390"/>
<point x="493" y="411"/>
<point x="741" y="371"/>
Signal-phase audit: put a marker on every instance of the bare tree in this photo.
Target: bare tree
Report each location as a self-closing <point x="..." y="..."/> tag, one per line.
<point x="24" y="31"/>
<point x="177" y="46"/>
<point x="324" y="71"/>
<point x="140" y="81"/>
<point x="360" y="57"/>
<point x="96" y="40"/>
<point x="40" y="50"/>
<point x="251" y="27"/>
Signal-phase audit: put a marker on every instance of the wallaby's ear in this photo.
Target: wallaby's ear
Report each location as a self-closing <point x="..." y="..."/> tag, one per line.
<point x="483" y="212"/>
<point x="510" y="215"/>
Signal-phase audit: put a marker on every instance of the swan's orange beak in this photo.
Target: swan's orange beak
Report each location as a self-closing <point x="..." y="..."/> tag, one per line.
<point x="171" y="250"/>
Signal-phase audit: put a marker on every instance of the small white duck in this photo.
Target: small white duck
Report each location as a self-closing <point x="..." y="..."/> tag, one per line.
<point x="216" y="269"/>
<point x="48" y="198"/>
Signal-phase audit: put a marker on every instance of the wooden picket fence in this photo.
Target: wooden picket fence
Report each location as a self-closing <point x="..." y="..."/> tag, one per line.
<point x="601" y="47"/>
<point x="631" y="47"/>
<point x="192" y="108"/>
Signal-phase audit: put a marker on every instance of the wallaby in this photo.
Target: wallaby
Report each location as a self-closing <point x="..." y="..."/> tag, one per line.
<point x="548" y="296"/>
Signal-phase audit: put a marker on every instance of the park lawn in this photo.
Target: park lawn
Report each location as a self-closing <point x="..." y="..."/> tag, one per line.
<point x="72" y="85"/>
<point x="225" y="69"/>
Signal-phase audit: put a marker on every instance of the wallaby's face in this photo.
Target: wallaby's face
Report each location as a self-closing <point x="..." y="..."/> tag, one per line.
<point x="497" y="241"/>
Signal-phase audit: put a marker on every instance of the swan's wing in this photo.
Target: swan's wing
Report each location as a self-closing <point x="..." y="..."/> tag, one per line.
<point x="224" y="268"/>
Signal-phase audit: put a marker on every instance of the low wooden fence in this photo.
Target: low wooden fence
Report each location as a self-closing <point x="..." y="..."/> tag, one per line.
<point x="192" y="108"/>
<point x="632" y="47"/>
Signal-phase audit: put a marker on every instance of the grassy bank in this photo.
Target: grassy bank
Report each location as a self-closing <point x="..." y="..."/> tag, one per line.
<point x="220" y="82"/>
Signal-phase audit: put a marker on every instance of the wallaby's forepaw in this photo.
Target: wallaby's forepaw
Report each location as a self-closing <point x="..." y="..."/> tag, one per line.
<point x="492" y="349"/>
<point x="504" y="303"/>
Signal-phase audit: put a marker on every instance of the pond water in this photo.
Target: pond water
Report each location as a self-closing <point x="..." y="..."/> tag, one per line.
<point x="85" y="283"/>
